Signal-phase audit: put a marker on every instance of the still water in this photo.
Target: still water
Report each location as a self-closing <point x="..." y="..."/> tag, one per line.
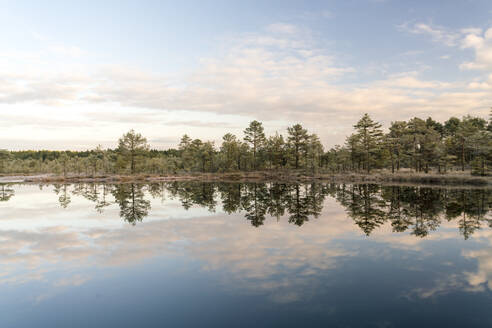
<point x="244" y="255"/>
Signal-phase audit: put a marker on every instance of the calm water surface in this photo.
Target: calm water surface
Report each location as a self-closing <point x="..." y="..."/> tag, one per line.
<point x="244" y="255"/>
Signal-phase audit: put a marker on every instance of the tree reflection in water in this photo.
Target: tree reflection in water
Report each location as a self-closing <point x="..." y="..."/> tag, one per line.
<point x="6" y="192"/>
<point x="419" y="210"/>
<point x="130" y="198"/>
<point x="64" y="197"/>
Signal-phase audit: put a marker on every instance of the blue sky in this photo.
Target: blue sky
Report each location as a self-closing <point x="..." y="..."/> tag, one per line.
<point x="76" y="74"/>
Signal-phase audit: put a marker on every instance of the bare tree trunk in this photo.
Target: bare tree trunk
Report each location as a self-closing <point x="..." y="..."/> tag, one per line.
<point x="398" y="161"/>
<point x="463" y="155"/>
<point x="392" y="163"/>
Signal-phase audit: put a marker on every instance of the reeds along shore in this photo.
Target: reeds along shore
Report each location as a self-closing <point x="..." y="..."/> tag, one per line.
<point x="264" y="176"/>
<point x="427" y="148"/>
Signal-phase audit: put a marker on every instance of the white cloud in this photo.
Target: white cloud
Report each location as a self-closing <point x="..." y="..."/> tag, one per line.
<point x="481" y="84"/>
<point x="76" y="280"/>
<point x="437" y="33"/>
<point x="283" y="28"/>
<point x="281" y="77"/>
<point x="471" y="30"/>
<point x="411" y="80"/>
<point x="468" y="38"/>
<point x="481" y="44"/>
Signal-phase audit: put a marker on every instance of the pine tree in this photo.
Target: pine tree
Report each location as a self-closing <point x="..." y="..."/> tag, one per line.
<point x="370" y="135"/>
<point x="132" y="145"/>
<point x="314" y="152"/>
<point x="276" y="150"/>
<point x="255" y="135"/>
<point x="298" y="138"/>
<point x="396" y="143"/>
<point x="489" y="126"/>
<point x="230" y="150"/>
<point x="186" y="152"/>
<point x="352" y="143"/>
<point x="4" y="157"/>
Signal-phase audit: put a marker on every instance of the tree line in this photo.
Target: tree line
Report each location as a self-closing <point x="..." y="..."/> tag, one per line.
<point x="418" y="145"/>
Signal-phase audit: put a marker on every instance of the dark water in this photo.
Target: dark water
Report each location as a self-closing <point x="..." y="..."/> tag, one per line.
<point x="244" y="255"/>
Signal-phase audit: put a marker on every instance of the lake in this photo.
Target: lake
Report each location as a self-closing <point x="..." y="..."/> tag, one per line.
<point x="188" y="254"/>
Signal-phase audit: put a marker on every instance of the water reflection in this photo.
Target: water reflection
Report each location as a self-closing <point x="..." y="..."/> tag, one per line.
<point x="64" y="198"/>
<point x="419" y="210"/>
<point x="180" y="264"/>
<point x="6" y="191"/>
<point x="130" y="198"/>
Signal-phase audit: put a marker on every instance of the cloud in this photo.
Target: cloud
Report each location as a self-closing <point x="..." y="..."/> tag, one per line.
<point x="484" y="85"/>
<point x="481" y="44"/>
<point x="437" y="33"/>
<point x="467" y="38"/>
<point x="445" y="285"/>
<point x="411" y="80"/>
<point x="41" y="87"/>
<point x="196" y="123"/>
<point x="483" y="275"/>
<point x="282" y="75"/>
<point x="261" y="261"/>
<point x="282" y="28"/>
<point x="285" y="262"/>
<point x="18" y="120"/>
<point x="292" y="83"/>
<point x="76" y="280"/>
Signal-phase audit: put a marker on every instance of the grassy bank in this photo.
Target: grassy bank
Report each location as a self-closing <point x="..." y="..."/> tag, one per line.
<point x="263" y="176"/>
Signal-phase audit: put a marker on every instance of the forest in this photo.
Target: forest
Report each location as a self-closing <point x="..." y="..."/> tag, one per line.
<point x="416" y="145"/>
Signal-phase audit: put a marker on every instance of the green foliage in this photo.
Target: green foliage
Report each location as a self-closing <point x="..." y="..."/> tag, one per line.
<point x="369" y="136"/>
<point x="230" y="151"/>
<point x="297" y="142"/>
<point x="416" y="144"/>
<point x="4" y="157"/>
<point x="131" y="146"/>
<point x="254" y="134"/>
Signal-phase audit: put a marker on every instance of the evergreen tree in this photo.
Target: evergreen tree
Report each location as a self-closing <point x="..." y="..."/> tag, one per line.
<point x="297" y="140"/>
<point x="230" y="149"/>
<point x="451" y="126"/>
<point x="352" y="143"/>
<point x="489" y="126"/>
<point x="64" y="160"/>
<point x="131" y="146"/>
<point x="416" y="131"/>
<point x="370" y="135"/>
<point x="206" y="154"/>
<point x="4" y="158"/>
<point x="396" y="143"/>
<point x="275" y="148"/>
<point x="255" y="135"/>
<point x="186" y="152"/>
<point x="314" y="152"/>
<point x="467" y="128"/>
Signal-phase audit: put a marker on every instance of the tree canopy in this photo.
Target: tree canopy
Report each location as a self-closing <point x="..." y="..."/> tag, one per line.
<point x="419" y="145"/>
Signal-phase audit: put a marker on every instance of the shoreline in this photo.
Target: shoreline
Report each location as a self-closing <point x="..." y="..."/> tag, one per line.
<point x="265" y="176"/>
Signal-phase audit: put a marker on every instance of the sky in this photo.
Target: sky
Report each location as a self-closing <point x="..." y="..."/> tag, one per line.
<point x="76" y="74"/>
